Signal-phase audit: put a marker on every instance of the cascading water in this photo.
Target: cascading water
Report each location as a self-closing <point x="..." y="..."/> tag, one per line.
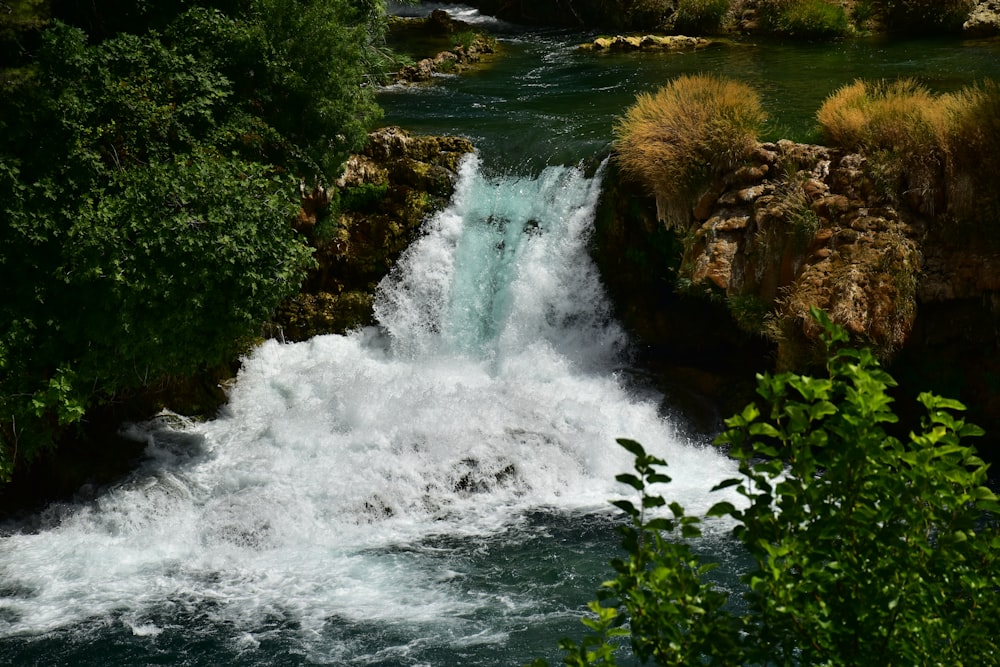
<point x="431" y="491"/>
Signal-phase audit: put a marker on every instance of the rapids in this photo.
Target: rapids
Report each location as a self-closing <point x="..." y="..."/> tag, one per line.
<point x="345" y="505"/>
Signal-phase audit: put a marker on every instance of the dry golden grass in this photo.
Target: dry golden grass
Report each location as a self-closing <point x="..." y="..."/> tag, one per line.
<point x="973" y="139"/>
<point x="882" y="115"/>
<point x="940" y="153"/>
<point x="901" y="125"/>
<point x="677" y="139"/>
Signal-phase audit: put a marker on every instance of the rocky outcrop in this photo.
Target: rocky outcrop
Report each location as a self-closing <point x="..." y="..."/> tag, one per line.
<point x="463" y="48"/>
<point x="646" y="43"/>
<point x="984" y="21"/>
<point x="730" y="286"/>
<point x="801" y="226"/>
<point x="361" y="225"/>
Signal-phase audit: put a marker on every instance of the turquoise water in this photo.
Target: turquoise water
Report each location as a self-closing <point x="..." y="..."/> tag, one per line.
<point x="431" y="491"/>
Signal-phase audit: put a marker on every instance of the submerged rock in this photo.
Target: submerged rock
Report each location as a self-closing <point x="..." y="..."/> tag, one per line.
<point x="647" y="43"/>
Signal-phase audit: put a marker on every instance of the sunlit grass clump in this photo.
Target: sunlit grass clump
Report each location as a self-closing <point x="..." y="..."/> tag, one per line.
<point x="677" y="139"/>
<point x="940" y="153"/>
<point x="893" y="115"/>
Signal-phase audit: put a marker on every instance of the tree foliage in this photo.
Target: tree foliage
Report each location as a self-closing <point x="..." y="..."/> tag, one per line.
<point x="866" y="549"/>
<point x="150" y="158"/>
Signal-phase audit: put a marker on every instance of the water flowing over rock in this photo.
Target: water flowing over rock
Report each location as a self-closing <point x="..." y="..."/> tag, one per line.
<point x="984" y="21"/>
<point x="360" y="226"/>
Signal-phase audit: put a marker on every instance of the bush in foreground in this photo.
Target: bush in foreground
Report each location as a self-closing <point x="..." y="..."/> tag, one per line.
<point x="694" y="129"/>
<point x="866" y="549"/>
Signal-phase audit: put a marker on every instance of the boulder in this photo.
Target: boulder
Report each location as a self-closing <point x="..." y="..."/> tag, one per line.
<point x="668" y="43"/>
<point x="984" y="20"/>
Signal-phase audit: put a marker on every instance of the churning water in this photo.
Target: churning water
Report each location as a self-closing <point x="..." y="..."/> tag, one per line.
<point x="431" y="491"/>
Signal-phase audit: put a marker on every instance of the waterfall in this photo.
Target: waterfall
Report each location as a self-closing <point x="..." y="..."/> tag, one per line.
<point x="339" y="506"/>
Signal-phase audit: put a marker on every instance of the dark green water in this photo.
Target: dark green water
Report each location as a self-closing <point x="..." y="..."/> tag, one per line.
<point x="545" y="102"/>
<point x="432" y="492"/>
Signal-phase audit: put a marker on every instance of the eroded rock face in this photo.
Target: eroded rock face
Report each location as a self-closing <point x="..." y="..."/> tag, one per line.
<point x="798" y="228"/>
<point x="801" y="226"/>
<point x="361" y="225"/>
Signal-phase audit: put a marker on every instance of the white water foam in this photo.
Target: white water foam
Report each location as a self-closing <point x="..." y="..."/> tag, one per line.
<point x="488" y="391"/>
<point x="459" y="12"/>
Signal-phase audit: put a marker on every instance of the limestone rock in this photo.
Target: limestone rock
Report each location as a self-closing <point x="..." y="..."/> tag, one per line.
<point x="984" y="20"/>
<point x="647" y="43"/>
<point x="383" y="196"/>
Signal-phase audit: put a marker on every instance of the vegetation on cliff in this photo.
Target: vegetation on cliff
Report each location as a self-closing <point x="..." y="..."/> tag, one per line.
<point x="865" y="548"/>
<point x="795" y="19"/>
<point x="150" y="157"/>
<point x="774" y="229"/>
<point x="940" y="152"/>
<point x="691" y="131"/>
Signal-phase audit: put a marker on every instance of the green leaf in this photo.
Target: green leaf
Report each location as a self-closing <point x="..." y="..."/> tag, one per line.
<point x="725" y="484"/>
<point x="723" y="508"/>
<point x="626" y="506"/>
<point x="631" y="480"/>
<point x="690" y="531"/>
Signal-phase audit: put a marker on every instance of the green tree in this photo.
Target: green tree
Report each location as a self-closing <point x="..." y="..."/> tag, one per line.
<point x="866" y="549"/>
<point x="149" y="172"/>
<point x="302" y="75"/>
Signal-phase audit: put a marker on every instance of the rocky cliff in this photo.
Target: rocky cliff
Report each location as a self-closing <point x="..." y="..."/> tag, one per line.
<point x="360" y="226"/>
<point x="727" y="288"/>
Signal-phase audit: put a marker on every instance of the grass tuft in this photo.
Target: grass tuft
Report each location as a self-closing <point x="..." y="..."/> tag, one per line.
<point x="690" y="131"/>
<point x="973" y="140"/>
<point x="941" y="153"/>
<point x="900" y="126"/>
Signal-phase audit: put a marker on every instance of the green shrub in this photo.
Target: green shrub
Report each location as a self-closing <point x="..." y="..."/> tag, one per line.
<point x="815" y="19"/>
<point x="147" y="186"/>
<point x="676" y="140"/>
<point x="363" y="197"/>
<point x="864" y="11"/>
<point x="646" y="14"/>
<point x="700" y="16"/>
<point x="805" y="19"/>
<point x="866" y="549"/>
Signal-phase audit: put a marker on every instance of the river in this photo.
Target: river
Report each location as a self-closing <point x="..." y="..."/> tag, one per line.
<point x="433" y="490"/>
